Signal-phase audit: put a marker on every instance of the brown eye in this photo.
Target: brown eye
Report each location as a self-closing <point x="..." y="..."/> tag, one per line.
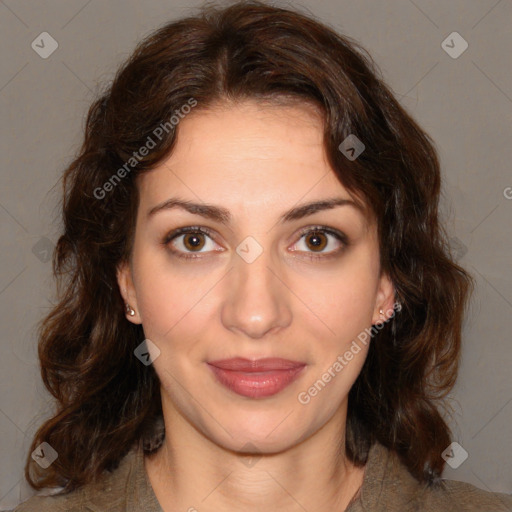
<point x="193" y="241"/>
<point x="313" y="242"/>
<point x="316" y="240"/>
<point x="197" y="242"/>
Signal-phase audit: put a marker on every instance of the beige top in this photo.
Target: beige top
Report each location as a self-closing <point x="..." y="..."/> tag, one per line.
<point x="387" y="486"/>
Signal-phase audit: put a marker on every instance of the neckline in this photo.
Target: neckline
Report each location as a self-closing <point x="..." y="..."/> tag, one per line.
<point x="142" y="495"/>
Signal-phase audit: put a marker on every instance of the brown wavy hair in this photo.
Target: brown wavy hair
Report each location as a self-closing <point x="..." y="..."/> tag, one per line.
<point x="105" y="398"/>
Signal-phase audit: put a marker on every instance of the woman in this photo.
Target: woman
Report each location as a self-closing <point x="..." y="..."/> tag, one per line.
<point x="258" y="308"/>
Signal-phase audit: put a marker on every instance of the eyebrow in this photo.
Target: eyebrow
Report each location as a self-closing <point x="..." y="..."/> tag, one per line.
<point x="222" y="215"/>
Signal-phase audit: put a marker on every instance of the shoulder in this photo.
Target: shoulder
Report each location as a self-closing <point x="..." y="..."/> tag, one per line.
<point x="388" y="485"/>
<point x="109" y="493"/>
<point x="454" y="495"/>
<point x="71" y="502"/>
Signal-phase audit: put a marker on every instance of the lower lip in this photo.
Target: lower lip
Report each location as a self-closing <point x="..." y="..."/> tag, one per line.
<point x="256" y="384"/>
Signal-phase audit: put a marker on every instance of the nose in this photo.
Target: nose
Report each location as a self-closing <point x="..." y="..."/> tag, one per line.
<point x="257" y="300"/>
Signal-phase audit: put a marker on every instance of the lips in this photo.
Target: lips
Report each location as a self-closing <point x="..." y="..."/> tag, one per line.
<point x="258" y="378"/>
<point x="257" y="365"/>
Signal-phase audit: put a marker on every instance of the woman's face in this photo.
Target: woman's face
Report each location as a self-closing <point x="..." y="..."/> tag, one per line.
<point x="249" y="281"/>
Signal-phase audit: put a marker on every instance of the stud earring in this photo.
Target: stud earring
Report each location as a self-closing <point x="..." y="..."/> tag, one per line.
<point x="129" y="310"/>
<point x="381" y="312"/>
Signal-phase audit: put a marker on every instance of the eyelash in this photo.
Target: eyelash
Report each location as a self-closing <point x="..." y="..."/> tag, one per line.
<point x="341" y="237"/>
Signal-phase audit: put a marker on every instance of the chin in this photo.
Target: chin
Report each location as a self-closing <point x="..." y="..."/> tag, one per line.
<point x="267" y="432"/>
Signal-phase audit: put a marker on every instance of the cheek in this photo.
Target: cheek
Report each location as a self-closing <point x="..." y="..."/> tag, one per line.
<point x="174" y="305"/>
<point x="160" y="292"/>
<point x="339" y="304"/>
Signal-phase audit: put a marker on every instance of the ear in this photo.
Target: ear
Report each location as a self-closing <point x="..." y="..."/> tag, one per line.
<point x="385" y="300"/>
<point x="127" y="289"/>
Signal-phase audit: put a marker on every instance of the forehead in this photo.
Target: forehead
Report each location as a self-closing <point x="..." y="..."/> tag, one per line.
<point x="252" y="136"/>
<point x="247" y="156"/>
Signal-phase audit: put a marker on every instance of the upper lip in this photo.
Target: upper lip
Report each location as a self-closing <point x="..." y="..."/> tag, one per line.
<point x="256" y="365"/>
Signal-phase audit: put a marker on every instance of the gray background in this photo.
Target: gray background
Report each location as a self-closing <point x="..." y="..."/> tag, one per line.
<point x="465" y="103"/>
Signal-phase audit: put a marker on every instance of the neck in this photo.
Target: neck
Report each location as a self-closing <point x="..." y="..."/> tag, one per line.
<point x="190" y="471"/>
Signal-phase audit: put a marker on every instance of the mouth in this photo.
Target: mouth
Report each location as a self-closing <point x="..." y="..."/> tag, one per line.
<point x="259" y="378"/>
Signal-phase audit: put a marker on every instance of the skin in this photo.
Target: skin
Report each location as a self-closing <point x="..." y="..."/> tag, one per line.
<point x="257" y="161"/>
